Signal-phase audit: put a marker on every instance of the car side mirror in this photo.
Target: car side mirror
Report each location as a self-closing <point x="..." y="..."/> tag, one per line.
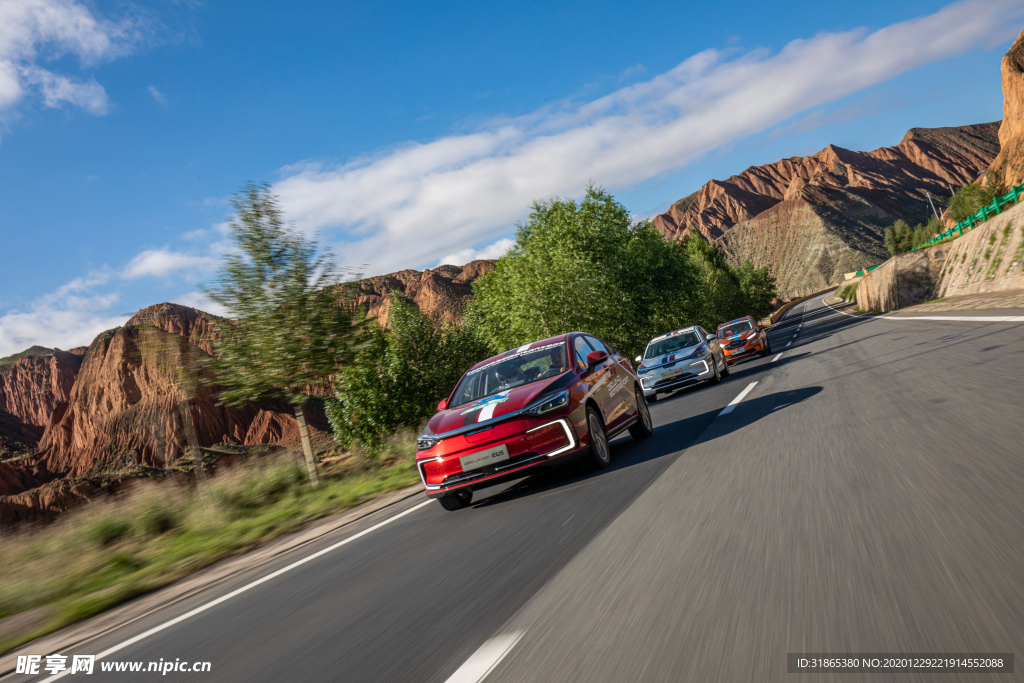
<point x="712" y="337"/>
<point x="595" y="357"/>
<point x="639" y="359"/>
<point x="443" y="404"/>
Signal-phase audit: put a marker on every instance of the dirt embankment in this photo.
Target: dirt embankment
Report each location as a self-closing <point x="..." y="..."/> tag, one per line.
<point x="985" y="260"/>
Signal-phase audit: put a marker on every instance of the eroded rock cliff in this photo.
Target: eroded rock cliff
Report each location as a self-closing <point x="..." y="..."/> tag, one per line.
<point x="443" y="292"/>
<point x="140" y="392"/>
<point x="1010" y="161"/>
<point x="810" y="219"/>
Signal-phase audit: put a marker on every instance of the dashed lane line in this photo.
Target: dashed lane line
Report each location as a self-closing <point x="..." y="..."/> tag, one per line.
<point x="488" y="656"/>
<point x="778" y="356"/>
<point x="788" y="343"/>
<point x="729" y="408"/>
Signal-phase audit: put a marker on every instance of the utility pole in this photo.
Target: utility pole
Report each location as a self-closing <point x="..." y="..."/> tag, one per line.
<point x="928" y="194"/>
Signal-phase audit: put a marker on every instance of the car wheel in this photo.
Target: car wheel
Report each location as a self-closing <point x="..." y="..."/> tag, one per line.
<point x="718" y="376"/>
<point x="725" y="368"/>
<point x="653" y="398"/>
<point x="767" y="348"/>
<point x="644" y="426"/>
<point x="456" y="501"/>
<point x="600" y="455"/>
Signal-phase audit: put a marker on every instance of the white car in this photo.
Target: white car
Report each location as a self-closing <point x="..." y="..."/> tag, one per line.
<point x="679" y="359"/>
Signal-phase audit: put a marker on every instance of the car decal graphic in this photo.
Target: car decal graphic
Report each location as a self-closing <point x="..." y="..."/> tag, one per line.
<point x="486" y="407"/>
<point x="514" y="354"/>
<point x="617" y="385"/>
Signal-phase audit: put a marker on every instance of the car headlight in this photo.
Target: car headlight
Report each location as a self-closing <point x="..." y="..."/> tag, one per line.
<point x="647" y="382"/>
<point x="549" y="403"/>
<point x="425" y="443"/>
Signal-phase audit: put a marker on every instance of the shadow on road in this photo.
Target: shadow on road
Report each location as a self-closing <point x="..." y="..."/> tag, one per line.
<point x="668" y="440"/>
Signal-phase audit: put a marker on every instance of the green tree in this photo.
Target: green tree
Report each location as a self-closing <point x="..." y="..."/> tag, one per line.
<point x="727" y="292"/>
<point x="584" y="266"/>
<point x="899" y="237"/>
<point x="966" y="201"/>
<point x="400" y="373"/>
<point x="289" y="330"/>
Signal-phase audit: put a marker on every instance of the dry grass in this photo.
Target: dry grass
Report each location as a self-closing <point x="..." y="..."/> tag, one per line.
<point x="109" y="552"/>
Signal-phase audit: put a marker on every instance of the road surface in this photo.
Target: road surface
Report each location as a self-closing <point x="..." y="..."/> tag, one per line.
<point x="865" y="495"/>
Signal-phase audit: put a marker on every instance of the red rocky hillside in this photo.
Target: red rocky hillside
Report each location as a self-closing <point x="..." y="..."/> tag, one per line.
<point x="810" y="219"/>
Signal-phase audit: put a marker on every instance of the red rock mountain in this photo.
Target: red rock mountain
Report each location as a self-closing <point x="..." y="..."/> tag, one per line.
<point x="1011" y="133"/>
<point x="443" y="292"/>
<point x="810" y="219"/>
<point x="136" y="392"/>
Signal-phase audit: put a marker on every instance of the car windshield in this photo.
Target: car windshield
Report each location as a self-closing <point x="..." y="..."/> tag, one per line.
<point x="670" y="344"/>
<point x="733" y="329"/>
<point x="512" y="371"/>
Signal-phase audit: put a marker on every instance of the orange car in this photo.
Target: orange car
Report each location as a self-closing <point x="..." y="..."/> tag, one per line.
<point x="742" y="338"/>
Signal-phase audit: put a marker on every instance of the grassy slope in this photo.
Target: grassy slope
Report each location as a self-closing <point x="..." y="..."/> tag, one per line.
<point x="106" y="553"/>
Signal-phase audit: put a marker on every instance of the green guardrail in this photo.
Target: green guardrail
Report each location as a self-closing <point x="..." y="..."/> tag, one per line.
<point x="861" y="273"/>
<point x="983" y="214"/>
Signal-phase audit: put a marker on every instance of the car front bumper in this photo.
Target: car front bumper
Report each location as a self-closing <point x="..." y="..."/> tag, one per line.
<point x="655" y="383"/>
<point x="532" y="444"/>
<point x="752" y="349"/>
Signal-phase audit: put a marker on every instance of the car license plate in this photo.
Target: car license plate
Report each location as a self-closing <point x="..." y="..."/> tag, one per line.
<point x="672" y="373"/>
<point x="475" y="461"/>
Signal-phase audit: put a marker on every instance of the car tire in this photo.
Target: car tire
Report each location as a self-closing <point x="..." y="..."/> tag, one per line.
<point x="644" y="426"/>
<point x="653" y="398"/>
<point x="725" y="368"/>
<point x="456" y="501"/>
<point x="718" y="376"/>
<point x="600" y="454"/>
<point x="767" y="349"/>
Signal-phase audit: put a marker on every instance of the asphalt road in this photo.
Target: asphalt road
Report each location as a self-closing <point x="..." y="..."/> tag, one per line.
<point x="864" y="496"/>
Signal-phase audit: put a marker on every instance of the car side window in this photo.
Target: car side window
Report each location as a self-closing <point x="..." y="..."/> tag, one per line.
<point x="582" y="349"/>
<point x="598" y="346"/>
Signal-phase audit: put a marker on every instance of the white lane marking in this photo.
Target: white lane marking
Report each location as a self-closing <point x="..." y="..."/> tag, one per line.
<point x="961" y="318"/>
<point x="794" y="336"/>
<point x="239" y="591"/>
<point x="777" y="357"/>
<point x="958" y="318"/>
<point x="729" y="408"/>
<point x="788" y="343"/>
<point x="483" y="661"/>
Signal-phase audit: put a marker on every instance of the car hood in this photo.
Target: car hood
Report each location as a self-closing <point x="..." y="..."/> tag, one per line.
<point x="668" y="357"/>
<point x="489" y="407"/>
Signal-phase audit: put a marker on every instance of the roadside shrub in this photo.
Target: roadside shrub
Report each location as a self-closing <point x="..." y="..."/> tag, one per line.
<point x="157" y="517"/>
<point x="900" y="237"/>
<point x="968" y="199"/>
<point x="399" y="375"/>
<point x="107" y="528"/>
<point x="251" y="489"/>
<point x="848" y="292"/>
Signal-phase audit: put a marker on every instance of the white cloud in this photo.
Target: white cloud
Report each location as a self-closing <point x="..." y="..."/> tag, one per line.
<point x="70" y="316"/>
<point x="158" y="96"/>
<point x="200" y="301"/>
<point x="461" y="258"/>
<point x="162" y="262"/>
<point x="418" y="202"/>
<point x="34" y="30"/>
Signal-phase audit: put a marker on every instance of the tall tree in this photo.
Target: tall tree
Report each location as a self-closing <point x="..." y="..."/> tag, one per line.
<point x="584" y="266"/>
<point x="291" y="328"/>
<point x="400" y="373"/>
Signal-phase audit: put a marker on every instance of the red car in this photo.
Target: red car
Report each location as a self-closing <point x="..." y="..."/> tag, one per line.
<point x="742" y="338"/>
<point x="547" y="402"/>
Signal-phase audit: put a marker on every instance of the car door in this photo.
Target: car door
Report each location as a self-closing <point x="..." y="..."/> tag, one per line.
<point x="595" y="378"/>
<point x="620" y="403"/>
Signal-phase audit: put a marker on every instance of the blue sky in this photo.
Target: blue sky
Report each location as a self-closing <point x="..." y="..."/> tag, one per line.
<point x="409" y="134"/>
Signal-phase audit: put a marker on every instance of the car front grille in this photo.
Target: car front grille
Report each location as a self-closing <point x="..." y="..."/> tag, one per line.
<point x="483" y="472"/>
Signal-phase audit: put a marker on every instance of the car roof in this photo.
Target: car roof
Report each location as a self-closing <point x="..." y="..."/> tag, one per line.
<point x="691" y="328"/>
<point x="520" y="349"/>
